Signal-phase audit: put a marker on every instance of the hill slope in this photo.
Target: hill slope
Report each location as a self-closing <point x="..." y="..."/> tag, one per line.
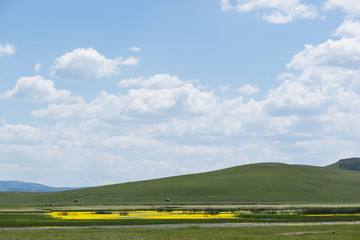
<point x="18" y="186"/>
<point x="347" y="164"/>
<point x="266" y="182"/>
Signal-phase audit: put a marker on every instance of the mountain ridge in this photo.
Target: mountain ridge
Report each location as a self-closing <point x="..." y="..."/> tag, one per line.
<point x="20" y="186"/>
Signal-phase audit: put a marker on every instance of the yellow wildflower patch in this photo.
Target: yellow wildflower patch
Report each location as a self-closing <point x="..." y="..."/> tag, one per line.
<point x="145" y="215"/>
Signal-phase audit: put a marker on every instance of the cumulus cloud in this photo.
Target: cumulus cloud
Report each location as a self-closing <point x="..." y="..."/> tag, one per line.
<point x="248" y="90"/>
<point x="315" y="105"/>
<point x="19" y="132"/>
<point x="156" y="81"/>
<point x="274" y="11"/>
<point x="37" y="89"/>
<point x="351" y="8"/>
<point x="349" y="28"/>
<point x="6" y="49"/>
<point x="131" y="61"/>
<point x="82" y="64"/>
<point x="182" y="100"/>
<point x="103" y="107"/>
<point x="333" y="60"/>
<point x="135" y="49"/>
<point x="324" y="89"/>
<point x="314" y="110"/>
<point x="317" y="101"/>
<point x="296" y="98"/>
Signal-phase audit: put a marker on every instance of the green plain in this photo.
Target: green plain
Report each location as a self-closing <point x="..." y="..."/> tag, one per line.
<point x="335" y="232"/>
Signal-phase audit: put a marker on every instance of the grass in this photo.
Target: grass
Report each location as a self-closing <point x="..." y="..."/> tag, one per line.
<point x="258" y="215"/>
<point x="266" y="183"/>
<point x="263" y="189"/>
<point x="336" y="232"/>
<point x="27" y="218"/>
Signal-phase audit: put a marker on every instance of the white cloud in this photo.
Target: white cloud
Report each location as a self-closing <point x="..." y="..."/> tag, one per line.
<point x="19" y="133"/>
<point x="351" y="8"/>
<point x="274" y="11"/>
<point x="37" y="89"/>
<point x="175" y="110"/>
<point x="103" y="107"/>
<point x="324" y="92"/>
<point x="349" y="28"/>
<point x="313" y="112"/>
<point x="315" y="105"/>
<point x="82" y="64"/>
<point x="158" y="81"/>
<point x="135" y="49"/>
<point x="38" y="67"/>
<point x="225" y="5"/>
<point x="335" y="53"/>
<point x="248" y="90"/>
<point x="6" y="49"/>
<point x="131" y="61"/>
<point x="296" y="98"/>
<point x="224" y="88"/>
<point x="181" y="100"/>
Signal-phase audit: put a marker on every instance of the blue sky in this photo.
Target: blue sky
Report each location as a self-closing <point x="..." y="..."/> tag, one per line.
<point x="101" y="92"/>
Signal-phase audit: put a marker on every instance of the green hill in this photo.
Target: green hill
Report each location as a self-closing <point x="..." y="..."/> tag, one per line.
<point x="347" y="164"/>
<point x="254" y="183"/>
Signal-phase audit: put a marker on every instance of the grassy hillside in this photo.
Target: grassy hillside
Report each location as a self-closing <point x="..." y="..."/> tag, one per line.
<point x="347" y="164"/>
<point x="266" y="182"/>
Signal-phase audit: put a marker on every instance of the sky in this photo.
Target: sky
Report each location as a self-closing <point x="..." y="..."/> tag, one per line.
<point x="102" y="92"/>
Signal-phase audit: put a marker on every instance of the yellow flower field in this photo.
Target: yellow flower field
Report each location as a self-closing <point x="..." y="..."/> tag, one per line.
<point x="145" y="215"/>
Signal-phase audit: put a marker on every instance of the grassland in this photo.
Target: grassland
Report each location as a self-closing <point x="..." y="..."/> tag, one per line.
<point x="313" y="194"/>
<point x="267" y="183"/>
<point x="41" y="218"/>
<point x="294" y="232"/>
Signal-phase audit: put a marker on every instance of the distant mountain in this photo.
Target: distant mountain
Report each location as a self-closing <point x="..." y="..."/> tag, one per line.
<point x="347" y="164"/>
<point x="18" y="186"/>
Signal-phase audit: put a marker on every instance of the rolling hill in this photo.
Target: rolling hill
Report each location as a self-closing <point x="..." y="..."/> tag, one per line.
<point x="253" y="183"/>
<point x="347" y="164"/>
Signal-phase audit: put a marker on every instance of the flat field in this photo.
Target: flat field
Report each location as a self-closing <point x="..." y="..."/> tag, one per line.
<point x="336" y="232"/>
<point x="338" y="223"/>
<point x="31" y="217"/>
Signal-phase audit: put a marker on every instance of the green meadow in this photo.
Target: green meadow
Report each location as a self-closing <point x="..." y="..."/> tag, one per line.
<point x="266" y="183"/>
<point x="269" y="192"/>
<point x="337" y="232"/>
